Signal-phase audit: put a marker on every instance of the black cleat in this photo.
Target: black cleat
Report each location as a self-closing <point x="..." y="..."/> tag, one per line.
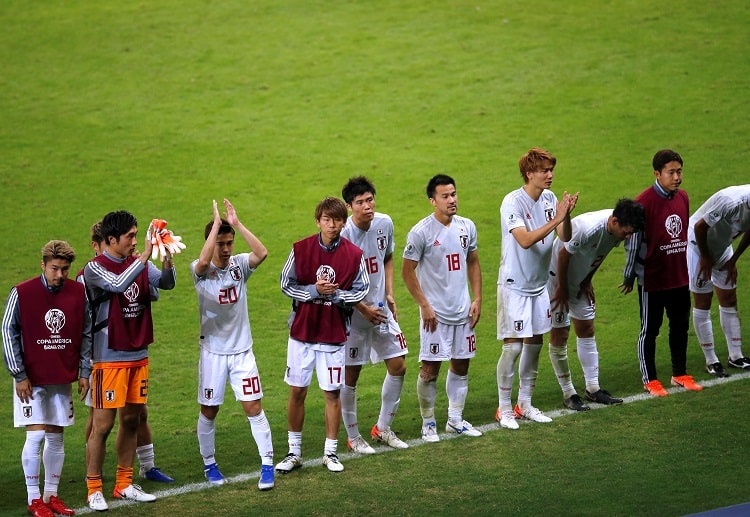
<point x="603" y="397"/>
<point x="575" y="403"/>
<point x="717" y="370"/>
<point x="743" y="363"/>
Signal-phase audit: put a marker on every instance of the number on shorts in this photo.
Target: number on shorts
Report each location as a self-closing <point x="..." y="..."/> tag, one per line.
<point x="251" y="386"/>
<point x="334" y="372"/>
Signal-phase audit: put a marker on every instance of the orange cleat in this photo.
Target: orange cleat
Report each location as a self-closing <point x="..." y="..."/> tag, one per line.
<point x="655" y="388"/>
<point x="687" y="382"/>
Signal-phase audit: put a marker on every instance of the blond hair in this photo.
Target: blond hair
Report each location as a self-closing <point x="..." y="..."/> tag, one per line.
<point x="58" y="250"/>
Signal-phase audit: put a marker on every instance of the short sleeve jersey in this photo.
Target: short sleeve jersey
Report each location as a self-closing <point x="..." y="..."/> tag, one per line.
<point x="525" y="270"/>
<point x="589" y="245"/>
<point x="375" y="243"/>
<point x="727" y="213"/>
<point x="441" y="253"/>
<point x="222" y="305"/>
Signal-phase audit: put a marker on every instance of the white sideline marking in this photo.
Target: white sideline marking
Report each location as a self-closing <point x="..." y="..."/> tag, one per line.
<point x="494" y="426"/>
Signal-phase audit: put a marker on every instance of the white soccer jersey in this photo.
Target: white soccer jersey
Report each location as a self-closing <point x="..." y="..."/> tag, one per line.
<point x="525" y="270"/>
<point x="727" y="213"/>
<point x="222" y="303"/>
<point x="441" y="253"/>
<point x="589" y="244"/>
<point x="375" y="243"/>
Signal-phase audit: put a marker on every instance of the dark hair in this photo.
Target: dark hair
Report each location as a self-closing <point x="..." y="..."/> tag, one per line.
<point x="224" y="228"/>
<point x="663" y="157"/>
<point x="630" y="213"/>
<point x="436" y="181"/>
<point x="356" y="187"/>
<point x="333" y="207"/>
<point x="115" y="224"/>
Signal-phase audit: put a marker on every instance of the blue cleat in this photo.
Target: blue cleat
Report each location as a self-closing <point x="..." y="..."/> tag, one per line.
<point x="213" y="474"/>
<point x="266" y="477"/>
<point x="155" y="474"/>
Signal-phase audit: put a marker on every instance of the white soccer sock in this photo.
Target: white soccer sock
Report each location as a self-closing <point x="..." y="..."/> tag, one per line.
<point x="294" y="438"/>
<point x="261" y="430"/>
<point x="348" y="398"/>
<point x="53" y="458"/>
<point x="506" y="367"/>
<point x="390" y="397"/>
<point x="145" y="455"/>
<point x="730" y="324"/>
<point x="704" y="331"/>
<point x="588" y="355"/>
<point x="330" y="446"/>
<point x="558" y="356"/>
<point x="528" y="368"/>
<point x="426" y="393"/>
<point x="206" y="438"/>
<point x="31" y="461"/>
<point x="456" y="387"/>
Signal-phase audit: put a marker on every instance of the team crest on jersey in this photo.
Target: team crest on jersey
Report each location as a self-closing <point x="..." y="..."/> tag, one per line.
<point x="109" y="395"/>
<point x="27" y="412"/>
<point x="549" y="214"/>
<point x="464" y="240"/>
<point x="575" y="244"/>
<point x="353" y="352"/>
<point x="434" y="348"/>
<point x="132" y="292"/>
<point x="234" y="272"/>
<point x="673" y="224"/>
<point x="208" y="393"/>
<point x="518" y="325"/>
<point x="326" y="273"/>
<point x="54" y="320"/>
<point x="381" y="243"/>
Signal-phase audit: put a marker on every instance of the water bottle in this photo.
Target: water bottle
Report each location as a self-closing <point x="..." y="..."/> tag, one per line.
<point x="383" y="326"/>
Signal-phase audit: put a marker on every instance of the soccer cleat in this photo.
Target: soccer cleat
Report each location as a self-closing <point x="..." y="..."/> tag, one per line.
<point x="360" y="445"/>
<point x="463" y="428"/>
<point x="387" y="437"/>
<point x="57" y="506"/>
<point x="603" y="397"/>
<point x="429" y="433"/>
<point x="655" y="388"/>
<point x="266" y="477"/>
<point x="97" y="502"/>
<point x="532" y="413"/>
<point x="506" y="418"/>
<point x="134" y="493"/>
<point x="37" y="508"/>
<point x="717" y="370"/>
<point x="331" y="461"/>
<point x="155" y="474"/>
<point x="575" y="403"/>
<point x="743" y="363"/>
<point x="687" y="382"/>
<point x="213" y="474"/>
<point x="290" y="462"/>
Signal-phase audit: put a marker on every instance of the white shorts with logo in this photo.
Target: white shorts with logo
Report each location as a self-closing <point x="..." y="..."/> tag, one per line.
<point x="578" y="308"/>
<point x="327" y="361"/>
<point x="215" y="369"/>
<point x="368" y="342"/>
<point x="447" y="342"/>
<point x="51" y="405"/>
<point x="520" y="316"/>
<point x="718" y="277"/>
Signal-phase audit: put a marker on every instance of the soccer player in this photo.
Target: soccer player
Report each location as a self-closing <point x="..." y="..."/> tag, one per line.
<point x="325" y="276"/>
<point x="656" y="255"/>
<point x="46" y="343"/>
<point x="372" y="232"/>
<point x="439" y="258"/>
<point x="573" y="264"/>
<point x="712" y="266"/>
<point x="528" y="215"/>
<point x="226" y="342"/>
<point x="145" y="445"/>
<point x="123" y="329"/>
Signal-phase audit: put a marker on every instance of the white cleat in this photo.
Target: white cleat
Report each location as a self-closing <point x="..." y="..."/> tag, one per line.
<point x="387" y="437"/>
<point x="134" y="493"/>
<point x="463" y="428"/>
<point x="360" y="445"/>
<point x="429" y="433"/>
<point x="331" y="461"/>
<point x="533" y="414"/>
<point x="290" y="462"/>
<point x="507" y="419"/>
<point x="97" y="502"/>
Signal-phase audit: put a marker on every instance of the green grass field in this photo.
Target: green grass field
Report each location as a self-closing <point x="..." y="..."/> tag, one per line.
<point x="158" y="108"/>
